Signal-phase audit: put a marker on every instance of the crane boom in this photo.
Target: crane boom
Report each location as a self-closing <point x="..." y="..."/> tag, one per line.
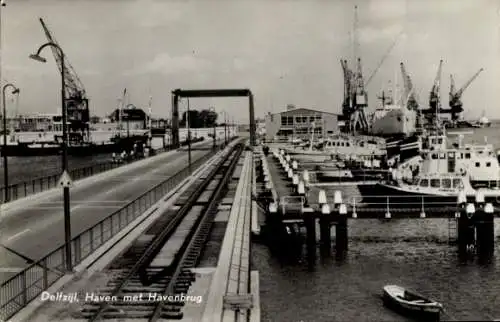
<point x="382" y="60"/>
<point x="74" y="86"/>
<point x="463" y="88"/>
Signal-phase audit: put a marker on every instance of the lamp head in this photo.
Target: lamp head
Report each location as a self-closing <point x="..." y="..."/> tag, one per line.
<point x="2" y="3"/>
<point x="16" y="91"/>
<point x="38" y="58"/>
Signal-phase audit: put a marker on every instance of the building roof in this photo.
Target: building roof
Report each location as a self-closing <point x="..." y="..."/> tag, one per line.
<point x="298" y="110"/>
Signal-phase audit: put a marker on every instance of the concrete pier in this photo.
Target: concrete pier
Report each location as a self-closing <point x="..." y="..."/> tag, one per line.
<point x="230" y="297"/>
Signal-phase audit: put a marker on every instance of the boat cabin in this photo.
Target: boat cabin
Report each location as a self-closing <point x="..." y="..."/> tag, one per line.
<point x="441" y="182"/>
<point x="478" y="161"/>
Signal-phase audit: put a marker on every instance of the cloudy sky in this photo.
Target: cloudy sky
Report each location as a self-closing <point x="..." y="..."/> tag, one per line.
<point x="284" y="51"/>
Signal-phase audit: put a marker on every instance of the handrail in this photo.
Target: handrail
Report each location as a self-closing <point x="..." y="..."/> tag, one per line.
<point x="19" y="290"/>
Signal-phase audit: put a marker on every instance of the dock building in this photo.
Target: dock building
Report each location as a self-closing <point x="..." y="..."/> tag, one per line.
<point x="299" y="122"/>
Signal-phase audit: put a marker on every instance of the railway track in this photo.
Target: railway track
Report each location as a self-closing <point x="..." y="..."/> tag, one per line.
<point x="158" y="263"/>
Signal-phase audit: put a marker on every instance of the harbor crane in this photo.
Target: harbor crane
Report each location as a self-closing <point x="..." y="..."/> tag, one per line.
<point x="355" y="96"/>
<point x="76" y="99"/>
<point x="409" y="90"/>
<point x="456" y="97"/>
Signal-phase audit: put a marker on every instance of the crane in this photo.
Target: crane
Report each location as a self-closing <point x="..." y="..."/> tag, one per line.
<point x="355" y="96"/>
<point x="78" y="115"/>
<point x="409" y="90"/>
<point x="434" y="97"/>
<point x="455" y="97"/>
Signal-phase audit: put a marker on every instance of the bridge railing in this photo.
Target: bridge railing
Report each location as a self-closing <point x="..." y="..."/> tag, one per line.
<point x="26" y="188"/>
<point x="26" y="285"/>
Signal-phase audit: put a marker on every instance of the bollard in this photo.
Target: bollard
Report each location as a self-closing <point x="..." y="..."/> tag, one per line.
<point x="479" y="198"/>
<point x="268" y="185"/>
<point x="325" y="209"/>
<point x="305" y="175"/>
<point x="287" y="158"/>
<point x="282" y="152"/>
<point x="266" y="178"/>
<point x="354" y="214"/>
<point x="273" y="208"/>
<point x="301" y="189"/>
<point x="295" y="165"/>
<point x="387" y="212"/>
<point x="322" y="197"/>
<point x="337" y="198"/>
<point x="422" y="211"/>
<point x="290" y="173"/>
<point x="295" y="179"/>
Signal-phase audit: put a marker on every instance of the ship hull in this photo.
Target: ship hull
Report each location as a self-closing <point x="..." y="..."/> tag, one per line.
<point x="383" y="194"/>
<point x="395" y="122"/>
<point x="123" y="144"/>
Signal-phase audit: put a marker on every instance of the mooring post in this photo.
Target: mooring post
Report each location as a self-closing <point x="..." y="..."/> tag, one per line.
<point x="310" y="223"/>
<point x="341" y="230"/>
<point x="485" y="232"/>
<point x="466" y="229"/>
<point x="324" y="228"/>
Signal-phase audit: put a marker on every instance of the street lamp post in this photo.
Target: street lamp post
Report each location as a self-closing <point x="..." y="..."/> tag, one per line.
<point x="15" y="90"/>
<point x="67" y="222"/>
<point x="225" y="128"/>
<point x="188" y="136"/>
<point x="212" y="109"/>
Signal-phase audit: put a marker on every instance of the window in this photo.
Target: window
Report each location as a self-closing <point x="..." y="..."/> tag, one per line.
<point x="435" y="183"/>
<point x="467" y="155"/>
<point x="330" y="132"/>
<point x="442" y="155"/>
<point x="424" y="183"/>
<point x="457" y="183"/>
<point x="318" y="117"/>
<point x="298" y="119"/>
<point x="440" y="141"/>
<point x="478" y="164"/>
<point x="311" y="119"/>
<point x="284" y="120"/>
<point x="347" y="144"/>
<point x="290" y="120"/>
<point x="434" y="156"/>
<point x="451" y="155"/>
<point x="446" y="183"/>
<point x="488" y="164"/>
<point x="304" y="119"/>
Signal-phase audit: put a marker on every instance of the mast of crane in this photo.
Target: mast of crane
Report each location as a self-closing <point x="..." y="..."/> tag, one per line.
<point x="75" y="95"/>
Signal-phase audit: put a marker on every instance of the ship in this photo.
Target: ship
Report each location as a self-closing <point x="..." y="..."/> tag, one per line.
<point x="440" y="173"/>
<point x="41" y="135"/>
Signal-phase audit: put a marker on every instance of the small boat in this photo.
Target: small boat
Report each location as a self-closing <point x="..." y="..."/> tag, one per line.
<point x="410" y="302"/>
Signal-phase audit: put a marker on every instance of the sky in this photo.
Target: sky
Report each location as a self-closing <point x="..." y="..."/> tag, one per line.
<point x="286" y="52"/>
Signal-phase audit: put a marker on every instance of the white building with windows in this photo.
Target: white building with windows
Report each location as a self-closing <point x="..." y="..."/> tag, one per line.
<point x="299" y="122"/>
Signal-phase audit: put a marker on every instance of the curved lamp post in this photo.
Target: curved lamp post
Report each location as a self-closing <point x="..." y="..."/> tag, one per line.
<point x="212" y="109"/>
<point x="67" y="222"/>
<point x="15" y="90"/>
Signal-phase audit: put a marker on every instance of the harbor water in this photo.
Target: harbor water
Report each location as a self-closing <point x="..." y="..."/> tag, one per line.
<point x="413" y="253"/>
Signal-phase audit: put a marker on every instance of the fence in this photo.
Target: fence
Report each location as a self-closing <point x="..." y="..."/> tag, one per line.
<point x="26" y="188"/>
<point x="25" y="286"/>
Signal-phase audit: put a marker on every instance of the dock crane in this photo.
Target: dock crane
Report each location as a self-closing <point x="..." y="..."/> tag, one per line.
<point x="435" y="97"/>
<point x="355" y="96"/>
<point x="77" y="104"/>
<point x="409" y="90"/>
<point x="456" y="97"/>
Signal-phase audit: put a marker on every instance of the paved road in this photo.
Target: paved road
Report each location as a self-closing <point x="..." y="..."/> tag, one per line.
<point x="39" y="229"/>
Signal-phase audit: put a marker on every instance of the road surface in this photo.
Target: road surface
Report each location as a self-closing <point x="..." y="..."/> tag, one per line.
<point x="37" y="230"/>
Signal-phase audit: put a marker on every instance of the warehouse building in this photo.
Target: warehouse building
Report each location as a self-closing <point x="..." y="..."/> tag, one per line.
<point x="299" y="122"/>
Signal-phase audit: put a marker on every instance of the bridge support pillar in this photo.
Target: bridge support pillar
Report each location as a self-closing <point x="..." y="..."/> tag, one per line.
<point x="325" y="225"/>
<point x="310" y="223"/>
<point x="466" y="229"/>
<point x="485" y="233"/>
<point x="341" y="236"/>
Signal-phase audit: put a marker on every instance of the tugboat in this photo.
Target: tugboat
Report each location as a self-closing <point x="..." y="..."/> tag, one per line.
<point x="440" y="173"/>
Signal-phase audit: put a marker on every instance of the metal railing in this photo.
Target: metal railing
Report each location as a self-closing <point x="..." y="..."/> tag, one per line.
<point x="26" y="285"/>
<point x="41" y="184"/>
